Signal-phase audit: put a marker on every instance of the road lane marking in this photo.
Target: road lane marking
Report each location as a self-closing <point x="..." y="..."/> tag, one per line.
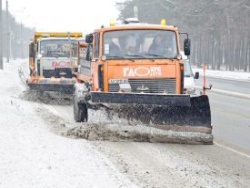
<point x="233" y="150"/>
<point x="218" y="109"/>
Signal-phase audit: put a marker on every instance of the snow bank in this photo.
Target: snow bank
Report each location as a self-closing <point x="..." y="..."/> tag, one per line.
<point x="224" y="74"/>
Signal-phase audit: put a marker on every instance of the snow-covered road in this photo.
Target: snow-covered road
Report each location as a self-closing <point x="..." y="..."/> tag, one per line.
<point x="34" y="153"/>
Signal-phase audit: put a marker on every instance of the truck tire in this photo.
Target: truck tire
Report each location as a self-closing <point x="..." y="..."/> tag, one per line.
<point x="80" y="111"/>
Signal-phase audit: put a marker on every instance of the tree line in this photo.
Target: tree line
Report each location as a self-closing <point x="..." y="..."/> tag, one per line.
<point x="16" y="37"/>
<point x="219" y="29"/>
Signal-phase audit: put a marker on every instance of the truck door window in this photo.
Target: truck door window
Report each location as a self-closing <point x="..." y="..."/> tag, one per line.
<point x="96" y="45"/>
<point x="89" y="52"/>
<point x="37" y="47"/>
<point x="31" y="49"/>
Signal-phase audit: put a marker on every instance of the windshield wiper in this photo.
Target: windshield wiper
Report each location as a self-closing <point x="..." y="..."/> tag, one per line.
<point x="114" y="57"/>
<point x="134" y="55"/>
<point x="156" y="55"/>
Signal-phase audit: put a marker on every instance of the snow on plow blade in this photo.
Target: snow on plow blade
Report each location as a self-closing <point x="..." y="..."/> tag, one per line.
<point x="179" y="118"/>
<point x="138" y="98"/>
<point x="46" y="84"/>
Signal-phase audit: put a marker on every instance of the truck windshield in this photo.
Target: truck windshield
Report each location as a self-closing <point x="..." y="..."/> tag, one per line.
<point x="143" y="44"/>
<point x="59" y="48"/>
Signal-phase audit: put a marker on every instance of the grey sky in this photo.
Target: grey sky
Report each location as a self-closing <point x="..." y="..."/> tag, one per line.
<point x="58" y="15"/>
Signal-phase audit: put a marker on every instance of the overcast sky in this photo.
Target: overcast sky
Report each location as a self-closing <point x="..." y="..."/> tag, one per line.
<point x="63" y="15"/>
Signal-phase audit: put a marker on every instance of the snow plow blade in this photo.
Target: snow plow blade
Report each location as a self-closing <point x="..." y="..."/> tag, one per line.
<point x="62" y="86"/>
<point x="163" y="111"/>
<point x="69" y="89"/>
<point x="179" y="119"/>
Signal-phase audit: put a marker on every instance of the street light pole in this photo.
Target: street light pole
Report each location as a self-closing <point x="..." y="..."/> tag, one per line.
<point x="136" y="12"/>
<point x="8" y="32"/>
<point x="1" y="37"/>
<point x="21" y="41"/>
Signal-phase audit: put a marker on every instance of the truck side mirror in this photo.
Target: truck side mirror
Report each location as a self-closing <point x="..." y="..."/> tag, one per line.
<point x="31" y="50"/>
<point x="89" y="38"/>
<point x="187" y="46"/>
<point x="196" y="75"/>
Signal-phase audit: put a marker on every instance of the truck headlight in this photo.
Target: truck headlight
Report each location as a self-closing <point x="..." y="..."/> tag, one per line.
<point x="190" y="90"/>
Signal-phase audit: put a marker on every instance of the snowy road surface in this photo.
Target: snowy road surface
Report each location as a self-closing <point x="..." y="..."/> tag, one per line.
<point x="34" y="153"/>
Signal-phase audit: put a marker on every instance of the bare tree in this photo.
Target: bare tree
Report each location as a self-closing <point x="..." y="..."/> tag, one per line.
<point x="219" y="29"/>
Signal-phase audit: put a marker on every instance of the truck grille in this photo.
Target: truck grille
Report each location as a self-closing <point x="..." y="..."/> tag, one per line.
<point x="160" y="85"/>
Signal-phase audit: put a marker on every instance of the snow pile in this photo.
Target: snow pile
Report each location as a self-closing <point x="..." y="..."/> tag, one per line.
<point x="103" y="125"/>
<point x="46" y="97"/>
<point x="139" y="133"/>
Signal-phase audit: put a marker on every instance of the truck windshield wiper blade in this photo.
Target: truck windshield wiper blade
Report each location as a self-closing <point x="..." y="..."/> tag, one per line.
<point x="134" y="55"/>
<point x="115" y="57"/>
<point x="156" y="55"/>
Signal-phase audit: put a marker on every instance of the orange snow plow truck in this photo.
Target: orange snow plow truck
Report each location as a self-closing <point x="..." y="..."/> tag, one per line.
<point x="136" y="72"/>
<point x="52" y="61"/>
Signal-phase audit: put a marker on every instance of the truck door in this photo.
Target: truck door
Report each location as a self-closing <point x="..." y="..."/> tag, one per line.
<point x="96" y="68"/>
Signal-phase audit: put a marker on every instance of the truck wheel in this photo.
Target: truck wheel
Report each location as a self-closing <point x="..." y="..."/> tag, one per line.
<point x="80" y="111"/>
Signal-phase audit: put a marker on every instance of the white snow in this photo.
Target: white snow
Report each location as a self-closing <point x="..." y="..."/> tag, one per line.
<point x="31" y="155"/>
<point x="224" y="74"/>
<point x="229" y="75"/>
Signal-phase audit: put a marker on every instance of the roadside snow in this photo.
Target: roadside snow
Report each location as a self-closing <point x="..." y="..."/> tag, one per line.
<point x="229" y="75"/>
<point x="33" y="156"/>
<point x="224" y="74"/>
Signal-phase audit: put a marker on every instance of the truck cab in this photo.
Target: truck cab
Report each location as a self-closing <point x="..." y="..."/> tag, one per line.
<point x="54" y="54"/>
<point x="139" y="58"/>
